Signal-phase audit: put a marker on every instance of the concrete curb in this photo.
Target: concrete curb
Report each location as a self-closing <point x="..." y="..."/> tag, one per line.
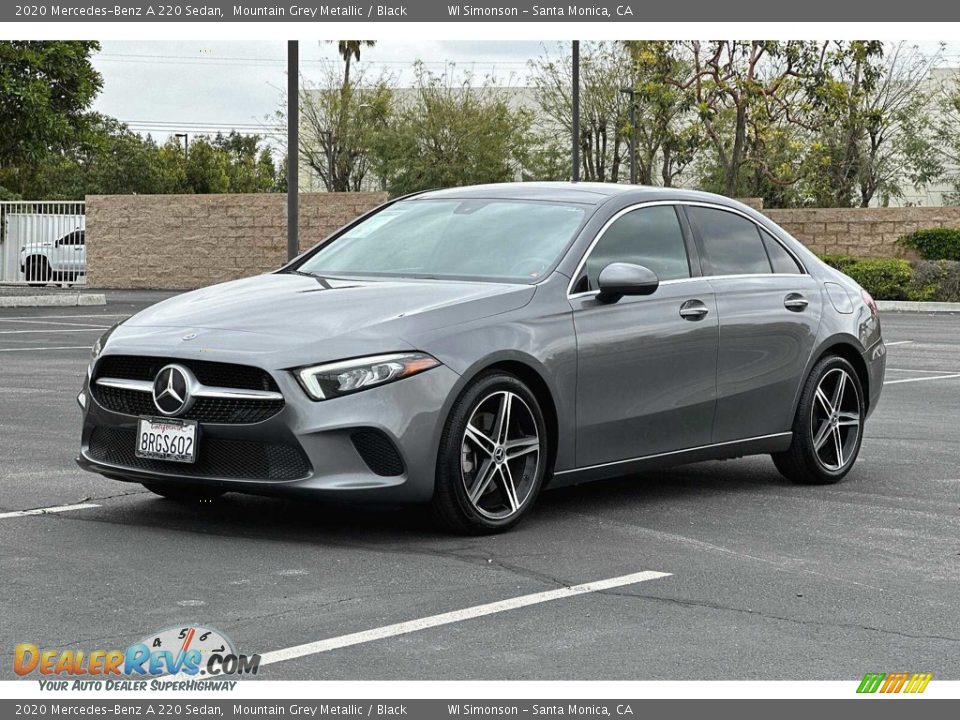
<point x="59" y="300"/>
<point x="917" y="307"/>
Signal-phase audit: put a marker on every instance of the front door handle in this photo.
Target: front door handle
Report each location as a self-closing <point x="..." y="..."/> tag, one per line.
<point x="693" y="310"/>
<point x="795" y="302"/>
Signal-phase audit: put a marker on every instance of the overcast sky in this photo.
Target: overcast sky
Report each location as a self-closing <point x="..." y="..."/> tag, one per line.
<point x="165" y="87"/>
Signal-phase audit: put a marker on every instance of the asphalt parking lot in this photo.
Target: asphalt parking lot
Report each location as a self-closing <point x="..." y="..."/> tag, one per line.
<point x="762" y="579"/>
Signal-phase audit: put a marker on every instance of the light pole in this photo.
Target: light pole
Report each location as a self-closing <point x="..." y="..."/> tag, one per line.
<point x="186" y="143"/>
<point x="575" y="101"/>
<point x="631" y="93"/>
<point x="293" y="148"/>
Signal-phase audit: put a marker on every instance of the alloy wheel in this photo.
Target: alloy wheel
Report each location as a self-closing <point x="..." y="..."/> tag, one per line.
<point x="835" y="420"/>
<point x="500" y="455"/>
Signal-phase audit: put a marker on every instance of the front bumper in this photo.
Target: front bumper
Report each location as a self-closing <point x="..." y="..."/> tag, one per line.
<point x="408" y="413"/>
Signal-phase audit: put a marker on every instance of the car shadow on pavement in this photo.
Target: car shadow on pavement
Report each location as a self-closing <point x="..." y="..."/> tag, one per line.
<point x="306" y="520"/>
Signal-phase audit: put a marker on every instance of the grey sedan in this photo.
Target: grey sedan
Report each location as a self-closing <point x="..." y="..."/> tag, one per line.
<point x="468" y="347"/>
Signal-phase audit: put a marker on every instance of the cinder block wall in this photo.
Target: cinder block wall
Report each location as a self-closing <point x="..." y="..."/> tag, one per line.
<point x="862" y="232"/>
<point x="180" y="242"/>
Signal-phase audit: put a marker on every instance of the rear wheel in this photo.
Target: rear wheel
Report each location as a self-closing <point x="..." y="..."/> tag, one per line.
<point x="184" y="494"/>
<point x="493" y="456"/>
<point x="38" y="271"/>
<point x="828" y="428"/>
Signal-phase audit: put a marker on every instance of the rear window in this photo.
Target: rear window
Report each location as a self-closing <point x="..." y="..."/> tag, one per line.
<point x="731" y="244"/>
<point x="781" y="261"/>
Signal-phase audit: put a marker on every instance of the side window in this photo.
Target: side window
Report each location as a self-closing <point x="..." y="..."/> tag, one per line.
<point x="648" y="236"/>
<point x="731" y="244"/>
<point x="780" y="259"/>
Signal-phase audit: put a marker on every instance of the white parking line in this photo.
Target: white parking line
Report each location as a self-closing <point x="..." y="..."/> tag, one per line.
<point x="61" y="317"/>
<point x="34" y="349"/>
<point x="922" y="379"/>
<point x="58" y="323"/>
<point x="47" y="510"/>
<point x="455" y="616"/>
<point x="898" y="342"/>
<point x="51" y="332"/>
<point x="928" y="372"/>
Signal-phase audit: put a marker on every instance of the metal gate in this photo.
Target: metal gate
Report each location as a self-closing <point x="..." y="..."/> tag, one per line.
<point x="43" y="242"/>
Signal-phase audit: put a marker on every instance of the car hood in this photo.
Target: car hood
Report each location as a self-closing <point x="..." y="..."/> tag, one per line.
<point x="289" y="318"/>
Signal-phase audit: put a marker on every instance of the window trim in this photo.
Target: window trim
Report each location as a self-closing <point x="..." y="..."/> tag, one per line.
<point x="764" y="234"/>
<point x="685" y="233"/>
<point x="682" y="203"/>
<point x="760" y="230"/>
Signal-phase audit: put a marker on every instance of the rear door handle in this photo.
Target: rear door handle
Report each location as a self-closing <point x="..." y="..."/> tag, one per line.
<point x="795" y="302"/>
<point x="693" y="310"/>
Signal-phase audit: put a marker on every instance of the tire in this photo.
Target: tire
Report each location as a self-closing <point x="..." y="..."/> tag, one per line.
<point x="191" y="494"/>
<point x="37" y="271"/>
<point x="503" y="471"/>
<point x="826" y="440"/>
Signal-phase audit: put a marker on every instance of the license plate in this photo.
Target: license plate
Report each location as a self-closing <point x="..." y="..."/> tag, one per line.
<point x="167" y="439"/>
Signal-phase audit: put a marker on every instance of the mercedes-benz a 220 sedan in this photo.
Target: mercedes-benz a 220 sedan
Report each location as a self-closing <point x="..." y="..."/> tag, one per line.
<point x="468" y="347"/>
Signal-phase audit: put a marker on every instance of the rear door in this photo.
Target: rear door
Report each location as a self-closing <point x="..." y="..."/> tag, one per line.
<point x="646" y="365"/>
<point x="769" y="311"/>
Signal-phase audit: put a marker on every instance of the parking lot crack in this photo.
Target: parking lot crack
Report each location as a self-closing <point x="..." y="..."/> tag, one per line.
<point x="773" y="616"/>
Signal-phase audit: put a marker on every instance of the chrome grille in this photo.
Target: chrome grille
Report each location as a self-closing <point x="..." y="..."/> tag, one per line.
<point x="231" y="394"/>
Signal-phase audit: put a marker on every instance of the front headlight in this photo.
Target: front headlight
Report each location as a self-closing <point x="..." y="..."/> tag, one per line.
<point x="331" y="380"/>
<point x="98" y="347"/>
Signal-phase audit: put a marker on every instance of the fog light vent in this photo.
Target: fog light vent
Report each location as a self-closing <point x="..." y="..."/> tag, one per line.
<point x="378" y="452"/>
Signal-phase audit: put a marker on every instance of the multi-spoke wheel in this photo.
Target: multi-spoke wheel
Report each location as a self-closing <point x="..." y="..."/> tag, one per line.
<point x="493" y="456"/>
<point x="828" y="428"/>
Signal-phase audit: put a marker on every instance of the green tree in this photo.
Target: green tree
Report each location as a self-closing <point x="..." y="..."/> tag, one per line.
<point x="250" y="168"/>
<point x="847" y="76"/>
<point x="337" y="124"/>
<point x="605" y="68"/>
<point x="450" y="134"/>
<point x="46" y="89"/>
<point x="108" y="159"/>
<point x="667" y="135"/>
<point x="899" y="143"/>
<point x="207" y="168"/>
<point x="740" y="85"/>
<point x="350" y="50"/>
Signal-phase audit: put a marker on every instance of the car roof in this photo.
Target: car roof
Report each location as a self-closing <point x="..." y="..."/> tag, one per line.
<point x="586" y="193"/>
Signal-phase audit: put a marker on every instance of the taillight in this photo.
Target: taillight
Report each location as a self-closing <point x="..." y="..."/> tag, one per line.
<point x="870" y="303"/>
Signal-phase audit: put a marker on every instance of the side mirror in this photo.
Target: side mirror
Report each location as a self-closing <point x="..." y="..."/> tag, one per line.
<point x="619" y="279"/>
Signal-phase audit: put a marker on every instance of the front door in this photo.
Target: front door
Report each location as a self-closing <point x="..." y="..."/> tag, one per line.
<point x="646" y="365"/>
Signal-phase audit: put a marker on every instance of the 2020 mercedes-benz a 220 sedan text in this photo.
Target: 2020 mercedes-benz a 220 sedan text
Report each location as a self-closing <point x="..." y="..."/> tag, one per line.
<point x="468" y="347"/>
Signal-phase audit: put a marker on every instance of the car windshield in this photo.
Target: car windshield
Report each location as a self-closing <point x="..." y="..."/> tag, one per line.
<point x="500" y="240"/>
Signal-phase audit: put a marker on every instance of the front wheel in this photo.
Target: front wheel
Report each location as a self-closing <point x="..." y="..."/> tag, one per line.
<point x="493" y="456"/>
<point x="193" y="494"/>
<point x="828" y="428"/>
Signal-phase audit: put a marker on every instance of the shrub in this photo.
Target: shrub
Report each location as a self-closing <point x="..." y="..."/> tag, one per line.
<point x="935" y="280"/>
<point x="934" y="243"/>
<point x="883" y="278"/>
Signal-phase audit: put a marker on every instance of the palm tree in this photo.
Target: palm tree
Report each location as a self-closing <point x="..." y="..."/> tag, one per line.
<point x="350" y="50"/>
